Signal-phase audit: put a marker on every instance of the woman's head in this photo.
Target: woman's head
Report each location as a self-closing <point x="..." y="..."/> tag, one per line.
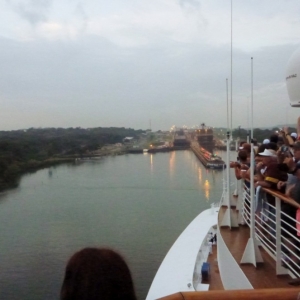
<point x="93" y="273"/>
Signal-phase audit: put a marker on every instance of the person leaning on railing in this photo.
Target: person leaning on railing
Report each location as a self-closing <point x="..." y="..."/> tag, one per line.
<point x="245" y="170"/>
<point x="242" y="164"/>
<point x="243" y="160"/>
<point x="290" y="160"/>
<point x="268" y="174"/>
<point x="290" y="226"/>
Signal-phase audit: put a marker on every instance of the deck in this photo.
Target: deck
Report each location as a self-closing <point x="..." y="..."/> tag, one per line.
<point x="263" y="276"/>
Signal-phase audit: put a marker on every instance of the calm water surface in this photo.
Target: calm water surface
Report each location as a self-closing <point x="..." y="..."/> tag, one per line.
<point x="136" y="204"/>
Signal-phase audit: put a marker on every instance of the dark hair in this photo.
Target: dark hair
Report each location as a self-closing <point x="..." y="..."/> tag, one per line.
<point x="242" y="155"/>
<point x="274" y="138"/>
<point x="242" y="142"/>
<point x="272" y="146"/>
<point x="261" y="148"/>
<point x="246" y="147"/>
<point x="94" y="274"/>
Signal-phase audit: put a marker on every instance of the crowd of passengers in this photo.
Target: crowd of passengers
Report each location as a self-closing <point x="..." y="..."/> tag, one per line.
<point x="277" y="167"/>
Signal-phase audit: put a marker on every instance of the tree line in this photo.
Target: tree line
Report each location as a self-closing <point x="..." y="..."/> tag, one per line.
<point x="27" y="150"/>
<point x="258" y="134"/>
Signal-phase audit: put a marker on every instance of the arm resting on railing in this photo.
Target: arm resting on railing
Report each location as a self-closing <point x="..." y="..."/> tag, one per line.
<point x="283" y="197"/>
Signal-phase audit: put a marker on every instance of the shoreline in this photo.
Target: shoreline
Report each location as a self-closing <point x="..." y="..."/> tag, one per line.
<point x="18" y="170"/>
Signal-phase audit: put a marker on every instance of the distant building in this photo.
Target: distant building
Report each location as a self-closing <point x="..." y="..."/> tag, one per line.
<point x="128" y="140"/>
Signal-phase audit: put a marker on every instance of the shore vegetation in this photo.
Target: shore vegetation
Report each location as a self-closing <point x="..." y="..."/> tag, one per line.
<point x="23" y="151"/>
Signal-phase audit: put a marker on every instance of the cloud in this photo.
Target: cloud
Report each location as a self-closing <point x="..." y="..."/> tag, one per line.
<point x="195" y="4"/>
<point x="119" y="63"/>
<point x="81" y="13"/>
<point x="33" y="11"/>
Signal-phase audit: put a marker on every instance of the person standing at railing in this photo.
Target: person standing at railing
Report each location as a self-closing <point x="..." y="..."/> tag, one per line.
<point x="245" y="170"/>
<point x="291" y="221"/>
<point x="243" y="160"/>
<point x="291" y="159"/>
<point x="268" y="174"/>
<point x="241" y="165"/>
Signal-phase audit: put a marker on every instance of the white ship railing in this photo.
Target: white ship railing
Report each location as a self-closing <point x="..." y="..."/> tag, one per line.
<point x="273" y="228"/>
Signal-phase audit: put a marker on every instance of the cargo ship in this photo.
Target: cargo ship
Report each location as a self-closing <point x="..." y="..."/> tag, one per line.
<point x="205" y="137"/>
<point x="208" y="159"/>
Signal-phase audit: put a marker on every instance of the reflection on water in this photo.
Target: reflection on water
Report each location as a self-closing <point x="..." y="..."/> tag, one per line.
<point x="172" y="163"/>
<point x="200" y="174"/>
<point x="137" y="204"/>
<point x="151" y="162"/>
<point x="206" y="188"/>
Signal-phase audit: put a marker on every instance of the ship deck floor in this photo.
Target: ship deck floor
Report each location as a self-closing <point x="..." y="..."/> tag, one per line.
<point x="263" y="276"/>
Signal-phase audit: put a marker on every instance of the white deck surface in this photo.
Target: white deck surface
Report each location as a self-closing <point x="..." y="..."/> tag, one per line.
<point x="177" y="268"/>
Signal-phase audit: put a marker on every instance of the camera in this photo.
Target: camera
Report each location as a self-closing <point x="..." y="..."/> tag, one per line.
<point x="284" y="148"/>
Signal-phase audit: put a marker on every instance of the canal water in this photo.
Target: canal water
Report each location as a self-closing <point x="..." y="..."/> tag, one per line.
<point x="137" y="204"/>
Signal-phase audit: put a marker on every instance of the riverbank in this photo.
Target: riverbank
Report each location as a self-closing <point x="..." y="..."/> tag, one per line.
<point x="11" y="177"/>
<point x="15" y="171"/>
<point x="23" y="151"/>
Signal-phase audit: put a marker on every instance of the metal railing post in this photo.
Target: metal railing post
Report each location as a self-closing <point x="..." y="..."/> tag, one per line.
<point x="240" y="201"/>
<point x="280" y="270"/>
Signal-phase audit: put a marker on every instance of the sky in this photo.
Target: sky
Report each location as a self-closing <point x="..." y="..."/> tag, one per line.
<point x="142" y="64"/>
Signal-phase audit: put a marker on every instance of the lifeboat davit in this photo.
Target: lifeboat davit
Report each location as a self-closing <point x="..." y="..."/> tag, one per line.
<point x="293" y="79"/>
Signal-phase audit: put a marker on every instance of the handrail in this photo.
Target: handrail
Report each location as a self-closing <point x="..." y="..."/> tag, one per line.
<point x="275" y="228"/>
<point x="282" y="196"/>
<point x="258" y="294"/>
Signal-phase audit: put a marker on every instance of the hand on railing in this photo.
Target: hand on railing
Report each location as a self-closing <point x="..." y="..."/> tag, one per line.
<point x="281" y="184"/>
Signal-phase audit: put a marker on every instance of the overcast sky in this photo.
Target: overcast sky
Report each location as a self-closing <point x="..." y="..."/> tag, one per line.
<point x="123" y="63"/>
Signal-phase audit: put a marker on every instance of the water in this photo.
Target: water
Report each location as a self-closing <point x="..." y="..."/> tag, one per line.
<point x="136" y="204"/>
